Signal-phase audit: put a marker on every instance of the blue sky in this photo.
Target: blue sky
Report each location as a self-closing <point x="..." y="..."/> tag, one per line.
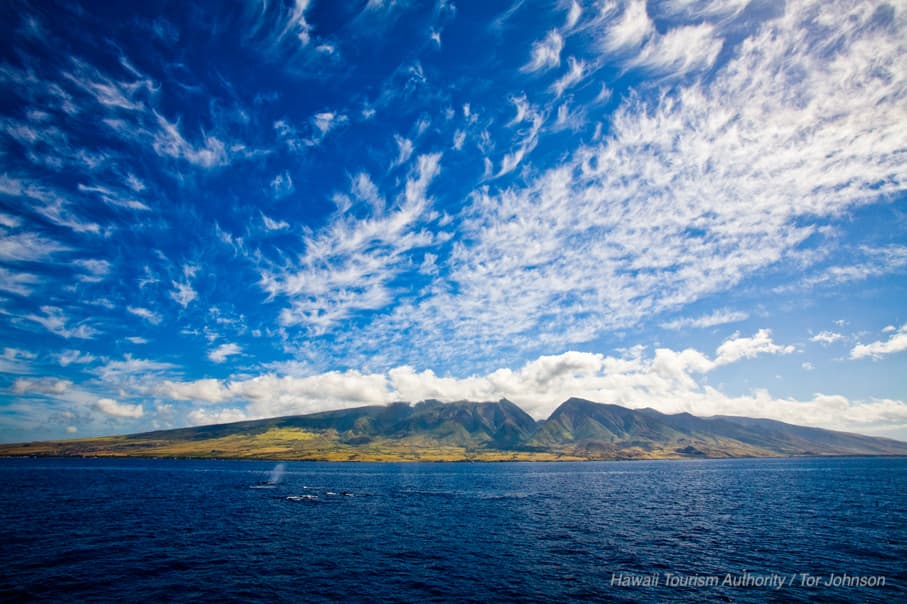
<point x="219" y="211"/>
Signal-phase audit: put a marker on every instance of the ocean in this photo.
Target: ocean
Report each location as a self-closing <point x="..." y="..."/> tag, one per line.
<point x="753" y="530"/>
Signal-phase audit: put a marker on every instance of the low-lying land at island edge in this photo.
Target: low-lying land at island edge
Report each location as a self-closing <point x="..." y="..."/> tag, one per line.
<point x="469" y="431"/>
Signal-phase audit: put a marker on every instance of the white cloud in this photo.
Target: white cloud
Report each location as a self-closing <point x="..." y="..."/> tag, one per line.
<point x="96" y="269"/>
<point x="41" y="386"/>
<point x="15" y="360"/>
<point x="326" y="121"/>
<point x="458" y="139"/>
<point x="203" y="417"/>
<point x="826" y="337"/>
<point x="528" y="135"/>
<point x="546" y="53"/>
<point x="631" y="29"/>
<point x="282" y="184"/>
<point x="183" y="293"/>
<point x="220" y="354"/>
<point x="573" y="14"/>
<point x="280" y="30"/>
<point x="575" y="72"/>
<point x="117" y="409"/>
<point x="115" y="198"/>
<point x="204" y="390"/>
<point x="131" y="371"/>
<point x="146" y="314"/>
<point x="696" y="9"/>
<point x="680" y="50"/>
<point x="666" y="381"/>
<point x="737" y="348"/>
<point x="28" y="247"/>
<point x="274" y="225"/>
<point x="864" y="263"/>
<point x="889" y="329"/>
<point x="169" y="141"/>
<point x="69" y="357"/>
<point x="896" y="343"/>
<point x="15" y="282"/>
<point x="718" y="317"/>
<point x="55" y="321"/>
<point x="733" y="172"/>
<point x="347" y="265"/>
<point x="404" y="150"/>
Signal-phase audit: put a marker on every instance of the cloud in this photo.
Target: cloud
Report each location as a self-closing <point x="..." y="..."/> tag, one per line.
<point x="96" y="269"/>
<point x="404" y="150"/>
<point x="896" y="343"/>
<point x="55" y="321"/>
<point x="866" y="262"/>
<point x="204" y="390"/>
<point x="202" y="417"/>
<point x="146" y="314"/>
<point x="629" y="30"/>
<point x="282" y="184"/>
<point x="41" y="386"/>
<point x="28" y="247"/>
<point x="718" y="317"/>
<point x="183" y="293"/>
<point x="118" y="199"/>
<point x="220" y="354"/>
<point x="667" y="381"/>
<point x="529" y="121"/>
<point x="168" y="141"/>
<point x="117" y="409"/>
<point x="735" y="349"/>
<point x="697" y="9"/>
<point x="348" y="265"/>
<point x="17" y="361"/>
<point x="279" y="30"/>
<point x="274" y="225"/>
<point x="575" y="74"/>
<point x="826" y="337"/>
<point x="70" y="357"/>
<point x="680" y="50"/>
<point x="734" y="175"/>
<point x="19" y="283"/>
<point x="131" y="371"/>
<point x="573" y="15"/>
<point x="546" y="53"/>
<point x="51" y="204"/>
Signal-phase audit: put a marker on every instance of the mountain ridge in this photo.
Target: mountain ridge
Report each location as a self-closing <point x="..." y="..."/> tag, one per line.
<point x="431" y="430"/>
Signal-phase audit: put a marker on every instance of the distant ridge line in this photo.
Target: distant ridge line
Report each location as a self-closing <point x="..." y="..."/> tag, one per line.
<point x="478" y="431"/>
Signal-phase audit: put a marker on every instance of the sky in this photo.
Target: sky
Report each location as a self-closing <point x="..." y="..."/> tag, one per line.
<point x="221" y="211"/>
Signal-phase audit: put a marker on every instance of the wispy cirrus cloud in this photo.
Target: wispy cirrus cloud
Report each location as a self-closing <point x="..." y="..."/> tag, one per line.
<point x="572" y="253"/>
<point x="718" y="317"/>
<point x="56" y="321"/>
<point x="348" y="266"/>
<point x="146" y="314"/>
<point x="546" y="53"/>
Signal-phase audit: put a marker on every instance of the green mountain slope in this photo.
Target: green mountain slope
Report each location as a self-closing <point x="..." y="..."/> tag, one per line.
<point x="431" y="430"/>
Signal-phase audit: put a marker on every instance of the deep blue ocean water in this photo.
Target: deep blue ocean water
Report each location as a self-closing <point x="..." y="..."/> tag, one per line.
<point x="174" y="530"/>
